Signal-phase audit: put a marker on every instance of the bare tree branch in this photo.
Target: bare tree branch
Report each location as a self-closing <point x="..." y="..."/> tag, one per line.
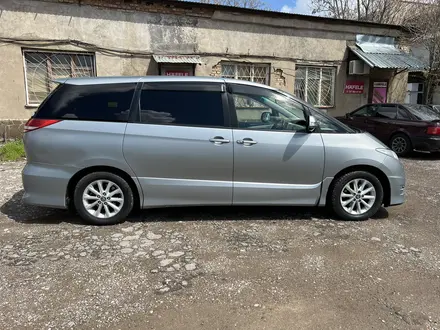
<point x="252" y="4"/>
<point x="379" y="11"/>
<point x="424" y="27"/>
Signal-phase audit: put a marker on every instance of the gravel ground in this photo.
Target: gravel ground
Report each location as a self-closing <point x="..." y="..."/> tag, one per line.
<point x="223" y="268"/>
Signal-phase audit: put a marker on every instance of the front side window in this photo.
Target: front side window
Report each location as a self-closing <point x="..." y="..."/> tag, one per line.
<point x="366" y="111"/>
<point x="42" y="68"/>
<point x="103" y="102"/>
<point x="329" y="125"/>
<point x="187" y="108"/>
<point x="268" y="111"/>
<point x="258" y="73"/>
<point x="315" y="85"/>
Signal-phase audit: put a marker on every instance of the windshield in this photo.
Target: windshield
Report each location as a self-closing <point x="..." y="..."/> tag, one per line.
<point x="423" y="112"/>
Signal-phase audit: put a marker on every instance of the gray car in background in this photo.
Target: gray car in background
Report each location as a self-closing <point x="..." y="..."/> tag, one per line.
<point x="105" y="145"/>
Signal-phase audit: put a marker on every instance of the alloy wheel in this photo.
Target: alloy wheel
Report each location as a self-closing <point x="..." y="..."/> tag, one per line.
<point x="399" y="145"/>
<point x="103" y="199"/>
<point x="358" y="196"/>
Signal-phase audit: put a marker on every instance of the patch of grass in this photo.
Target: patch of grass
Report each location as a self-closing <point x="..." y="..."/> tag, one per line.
<point x="12" y="151"/>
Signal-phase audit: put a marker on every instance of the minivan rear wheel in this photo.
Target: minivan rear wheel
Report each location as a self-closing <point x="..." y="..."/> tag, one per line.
<point x="103" y="198"/>
<point x="357" y="195"/>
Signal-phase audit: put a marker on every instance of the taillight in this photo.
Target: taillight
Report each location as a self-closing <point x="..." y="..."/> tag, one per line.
<point x="34" y="123"/>
<point x="433" y="130"/>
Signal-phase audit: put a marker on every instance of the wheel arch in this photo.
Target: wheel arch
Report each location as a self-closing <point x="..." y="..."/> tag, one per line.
<point x="367" y="168"/>
<point x="400" y="132"/>
<point x="137" y="192"/>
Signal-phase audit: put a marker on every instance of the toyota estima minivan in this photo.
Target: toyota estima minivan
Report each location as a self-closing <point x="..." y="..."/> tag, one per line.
<point x="105" y="145"/>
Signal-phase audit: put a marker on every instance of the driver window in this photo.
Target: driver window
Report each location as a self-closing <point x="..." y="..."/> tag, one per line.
<point x="269" y="112"/>
<point x="366" y="111"/>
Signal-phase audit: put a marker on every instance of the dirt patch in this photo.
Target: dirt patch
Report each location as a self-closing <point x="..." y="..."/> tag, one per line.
<point x="223" y="268"/>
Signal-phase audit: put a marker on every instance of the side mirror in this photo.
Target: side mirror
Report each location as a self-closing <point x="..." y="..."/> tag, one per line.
<point x="347" y="115"/>
<point x="265" y="117"/>
<point x="312" y="124"/>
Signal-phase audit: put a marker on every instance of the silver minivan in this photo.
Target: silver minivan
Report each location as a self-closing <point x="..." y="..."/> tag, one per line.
<point x="103" y="146"/>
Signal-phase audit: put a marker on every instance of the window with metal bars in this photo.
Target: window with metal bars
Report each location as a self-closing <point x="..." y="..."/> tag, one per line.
<point x="258" y="73"/>
<point x="315" y="85"/>
<point x="41" y="68"/>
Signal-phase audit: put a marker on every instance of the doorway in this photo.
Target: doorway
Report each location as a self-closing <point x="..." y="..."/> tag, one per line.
<point x="378" y="91"/>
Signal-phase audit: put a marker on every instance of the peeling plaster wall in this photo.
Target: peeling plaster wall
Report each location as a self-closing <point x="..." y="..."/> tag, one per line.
<point x="215" y="35"/>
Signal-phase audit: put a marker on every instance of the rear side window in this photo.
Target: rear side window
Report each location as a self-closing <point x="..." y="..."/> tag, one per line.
<point x="188" y="108"/>
<point x="387" y="111"/>
<point x="105" y="102"/>
<point x="402" y="114"/>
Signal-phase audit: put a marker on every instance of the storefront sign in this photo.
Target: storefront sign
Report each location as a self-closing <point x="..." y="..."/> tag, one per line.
<point x="354" y="87"/>
<point x="177" y="73"/>
<point x="380" y="84"/>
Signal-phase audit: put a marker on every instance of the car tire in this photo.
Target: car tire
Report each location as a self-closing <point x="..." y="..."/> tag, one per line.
<point x="103" y="198"/>
<point x="344" y="189"/>
<point x="401" y="144"/>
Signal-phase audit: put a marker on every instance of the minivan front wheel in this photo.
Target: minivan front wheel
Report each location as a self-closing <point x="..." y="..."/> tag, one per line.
<point x="103" y="198"/>
<point x="357" y="195"/>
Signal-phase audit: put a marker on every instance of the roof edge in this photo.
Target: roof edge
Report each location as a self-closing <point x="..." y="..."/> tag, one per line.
<point x="277" y="14"/>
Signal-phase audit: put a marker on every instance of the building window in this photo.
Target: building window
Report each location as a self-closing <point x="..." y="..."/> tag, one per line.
<point x="258" y="73"/>
<point x="41" y="68"/>
<point x="315" y="85"/>
<point x="414" y="94"/>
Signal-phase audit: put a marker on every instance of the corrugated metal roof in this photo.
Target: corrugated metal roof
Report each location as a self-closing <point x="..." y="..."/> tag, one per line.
<point x="193" y="59"/>
<point x="377" y="44"/>
<point x="383" y="59"/>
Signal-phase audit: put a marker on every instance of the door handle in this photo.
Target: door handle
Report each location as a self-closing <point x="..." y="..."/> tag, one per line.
<point x="219" y="140"/>
<point x="247" y="142"/>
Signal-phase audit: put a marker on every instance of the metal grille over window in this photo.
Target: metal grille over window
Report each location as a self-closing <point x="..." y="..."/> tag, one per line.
<point x="258" y="73"/>
<point x="315" y="85"/>
<point x="42" y="67"/>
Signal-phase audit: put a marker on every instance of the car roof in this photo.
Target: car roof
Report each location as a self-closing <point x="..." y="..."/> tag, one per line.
<point x="147" y="79"/>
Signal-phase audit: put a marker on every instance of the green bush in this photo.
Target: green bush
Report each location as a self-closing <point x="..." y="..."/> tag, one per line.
<point x="12" y="151"/>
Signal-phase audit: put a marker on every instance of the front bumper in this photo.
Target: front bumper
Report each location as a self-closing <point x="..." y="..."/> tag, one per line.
<point x="395" y="172"/>
<point x="397" y="190"/>
<point x="426" y="143"/>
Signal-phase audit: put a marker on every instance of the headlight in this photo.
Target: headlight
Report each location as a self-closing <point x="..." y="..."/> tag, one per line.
<point x="387" y="152"/>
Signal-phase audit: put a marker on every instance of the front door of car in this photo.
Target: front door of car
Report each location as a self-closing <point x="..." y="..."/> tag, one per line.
<point x="362" y="118"/>
<point x="180" y="144"/>
<point x="276" y="161"/>
<point x="384" y="123"/>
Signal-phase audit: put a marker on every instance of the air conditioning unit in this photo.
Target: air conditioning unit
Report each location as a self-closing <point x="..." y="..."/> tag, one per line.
<point x="358" y="67"/>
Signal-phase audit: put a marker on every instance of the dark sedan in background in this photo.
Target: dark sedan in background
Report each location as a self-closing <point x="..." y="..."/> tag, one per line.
<point x="404" y="127"/>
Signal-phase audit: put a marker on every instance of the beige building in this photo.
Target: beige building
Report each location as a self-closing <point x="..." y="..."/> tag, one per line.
<point x="336" y="65"/>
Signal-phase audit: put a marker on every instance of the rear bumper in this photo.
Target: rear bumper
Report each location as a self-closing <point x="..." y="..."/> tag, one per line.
<point x="46" y="185"/>
<point x="426" y="143"/>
